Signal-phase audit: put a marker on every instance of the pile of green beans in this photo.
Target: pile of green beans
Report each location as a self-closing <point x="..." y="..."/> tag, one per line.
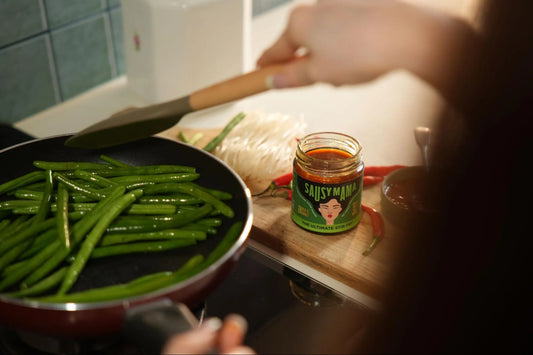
<point x="55" y="219"/>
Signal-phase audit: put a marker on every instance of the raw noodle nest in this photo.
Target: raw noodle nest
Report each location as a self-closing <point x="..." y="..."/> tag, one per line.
<point x="261" y="147"/>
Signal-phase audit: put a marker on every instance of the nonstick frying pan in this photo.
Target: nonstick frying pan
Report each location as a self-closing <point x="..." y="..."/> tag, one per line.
<point x="82" y="320"/>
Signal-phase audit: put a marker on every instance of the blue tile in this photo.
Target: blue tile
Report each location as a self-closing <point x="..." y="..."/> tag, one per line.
<point x="26" y="82"/>
<point x="20" y="19"/>
<point x="83" y="56"/>
<point x="113" y="3"/>
<point x="61" y="12"/>
<point x="115" y="16"/>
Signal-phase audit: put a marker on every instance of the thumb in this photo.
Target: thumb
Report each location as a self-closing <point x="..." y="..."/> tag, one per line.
<point x="197" y="341"/>
<point x="295" y="73"/>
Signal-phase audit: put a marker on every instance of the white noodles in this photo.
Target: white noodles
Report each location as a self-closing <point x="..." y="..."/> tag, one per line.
<point x="261" y="147"/>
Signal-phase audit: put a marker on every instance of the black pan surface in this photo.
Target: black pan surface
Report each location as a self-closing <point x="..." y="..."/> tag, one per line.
<point x="214" y="173"/>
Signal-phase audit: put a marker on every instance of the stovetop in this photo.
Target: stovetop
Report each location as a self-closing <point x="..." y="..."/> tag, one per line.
<point x="286" y="311"/>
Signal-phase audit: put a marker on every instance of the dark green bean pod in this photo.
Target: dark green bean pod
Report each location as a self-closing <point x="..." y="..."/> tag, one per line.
<point x="94" y="178"/>
<point x="156" y="178"/>
<point x="121" y="238"/>
<point x="44" y="206"/>
<point x="151" y="224"/>
<point x="26" y="234"/>
<point x="54" y="254"/>
<point x="141" y="247"/>
<point x="68" y="165"/>
<point x="114" y="162"/>
<point x="89" y="243"/>
<point x="137" y="287"/>
<point x="192" y="190"/>
<point x="176" y="199"/>
<point x="21" y="181"/>
<point x="76" y="187"/>
<point x="42" y="286"/>
<point x="62" y="222"/>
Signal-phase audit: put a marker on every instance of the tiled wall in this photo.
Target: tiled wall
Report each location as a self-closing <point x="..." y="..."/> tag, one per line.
<point x="53" y="50"/>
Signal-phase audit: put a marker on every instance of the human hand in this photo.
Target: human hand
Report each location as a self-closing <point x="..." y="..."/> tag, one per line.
<point x="225" y="338"/>
<point x="355" y="41"/>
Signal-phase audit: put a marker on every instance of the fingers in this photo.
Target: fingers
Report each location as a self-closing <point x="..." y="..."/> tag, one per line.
<point x="291" y="40"/>
<point x="295" y="73"/>
<point x="212" y="335"/>
<point x="232" y="333"/>
<point x="197" y="341"/>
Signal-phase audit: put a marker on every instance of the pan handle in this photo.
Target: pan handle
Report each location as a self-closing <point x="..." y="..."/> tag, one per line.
<point x="150" y="325"/>
<point x="235" y="88"/>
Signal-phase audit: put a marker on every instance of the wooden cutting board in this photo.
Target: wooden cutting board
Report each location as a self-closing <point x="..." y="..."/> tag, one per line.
<point x="338" y="256"/>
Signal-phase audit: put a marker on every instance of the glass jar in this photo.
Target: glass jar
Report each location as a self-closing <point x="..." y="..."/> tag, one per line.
<point x="327" y="183"/>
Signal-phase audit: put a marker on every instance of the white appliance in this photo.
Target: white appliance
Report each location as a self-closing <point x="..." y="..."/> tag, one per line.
<point x="173" y="47"/>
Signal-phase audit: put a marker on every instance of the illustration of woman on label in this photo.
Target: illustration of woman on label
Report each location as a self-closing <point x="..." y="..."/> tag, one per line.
<point x="330" y="210"/>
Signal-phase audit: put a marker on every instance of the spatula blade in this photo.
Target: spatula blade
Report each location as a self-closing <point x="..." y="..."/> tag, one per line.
<point x="131" y="125"/>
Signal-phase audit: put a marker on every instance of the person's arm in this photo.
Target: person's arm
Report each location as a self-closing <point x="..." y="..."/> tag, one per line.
<point x="354" y="41"/>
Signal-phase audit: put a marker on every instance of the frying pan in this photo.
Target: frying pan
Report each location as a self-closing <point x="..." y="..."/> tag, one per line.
<point x="84" y="320"/>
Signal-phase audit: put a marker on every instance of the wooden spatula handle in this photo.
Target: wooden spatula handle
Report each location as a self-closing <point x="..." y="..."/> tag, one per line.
<point x="233" y="89"/>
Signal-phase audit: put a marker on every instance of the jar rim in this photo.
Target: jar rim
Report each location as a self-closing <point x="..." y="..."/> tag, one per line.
<point x="351" y="145"/>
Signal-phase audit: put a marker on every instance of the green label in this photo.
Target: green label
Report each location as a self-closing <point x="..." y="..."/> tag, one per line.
<point x="326" y="208"/>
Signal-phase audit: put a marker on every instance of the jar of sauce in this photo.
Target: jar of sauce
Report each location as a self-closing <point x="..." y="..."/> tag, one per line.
<point x="327" y="183"/>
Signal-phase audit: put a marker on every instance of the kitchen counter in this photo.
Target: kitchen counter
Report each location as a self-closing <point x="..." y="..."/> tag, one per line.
<point x="381" y="115"/>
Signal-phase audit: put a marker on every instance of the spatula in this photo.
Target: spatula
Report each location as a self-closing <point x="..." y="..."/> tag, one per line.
<point x="135" y="124"/>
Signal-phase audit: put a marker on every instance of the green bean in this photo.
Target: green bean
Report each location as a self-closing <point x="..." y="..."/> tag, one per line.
<point x="136" y="287"/>
<point x="182" y="137"/>
<point x="221" y="195"/>
<point x="4" y="223"/>
<point x="36" y="262"/>
<point x="199" y="227"/>
<point x="192" y="190"/>
<point x="112" y="239"/>
<point x="21" y="181"/>
<point x="216" y="141"/>
<point x="39" y="243"/>
<point x="225" y="244"/>
<point x="148" y="278"/>
<point x="212" y="222"/>
<point x="141" y="247"/>
<point x="44" y="206"/>
<point x="94" y="178"/>
<point x="42" y="286"/>
<point x="54" y="254"/>
<point x="13" y="253"/>
<point x="93" y="238"/>
<point x="176" y="199"/>
<point x="69" y="165"/>
<point x="73" y="186"/>
<point x="13" y="227"/>
<point x="138" y="170"/>
<point x="26" y="234"/>
<point x="114" y="162"/>
<point x="156" y="178"/>
<point x="28" y="194"/>
<point x="62" y="223"/>
<point x="134" y="209"/>
<point x="151" y="224"/>
<point x="13" y="204"/>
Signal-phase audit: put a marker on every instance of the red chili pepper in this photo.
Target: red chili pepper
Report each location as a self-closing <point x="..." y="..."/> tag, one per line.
<point x="372" y="180"/>
<point x="377" y="227"/>
<point x="381" y="170"/>
<point x="279" y="187"/>
<point x="283" y="180"/>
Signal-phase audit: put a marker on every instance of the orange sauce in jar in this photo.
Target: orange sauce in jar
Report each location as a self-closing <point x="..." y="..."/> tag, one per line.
<point x="327" y="183"/>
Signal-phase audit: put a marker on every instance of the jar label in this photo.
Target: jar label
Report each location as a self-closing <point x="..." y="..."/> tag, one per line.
<point x="326" y="208"/>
